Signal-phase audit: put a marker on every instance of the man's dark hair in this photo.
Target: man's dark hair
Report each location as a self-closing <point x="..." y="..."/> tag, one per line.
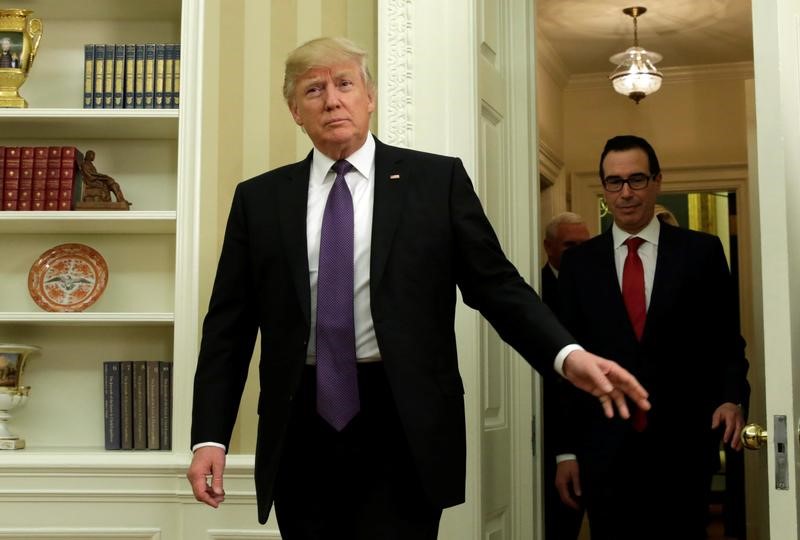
<point x="620" y="143"/>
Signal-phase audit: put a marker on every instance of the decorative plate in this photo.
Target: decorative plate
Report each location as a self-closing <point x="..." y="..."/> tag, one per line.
<point x="69" y="277"/>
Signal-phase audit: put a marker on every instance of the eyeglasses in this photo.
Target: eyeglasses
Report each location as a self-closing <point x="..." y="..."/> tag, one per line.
<point x="634" y="181"/>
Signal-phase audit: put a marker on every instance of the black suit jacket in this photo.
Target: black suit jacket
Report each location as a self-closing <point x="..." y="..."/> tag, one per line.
<point x="549" y="287"/>
<point x="691" y="356"/>
<point x="429" y="235"/>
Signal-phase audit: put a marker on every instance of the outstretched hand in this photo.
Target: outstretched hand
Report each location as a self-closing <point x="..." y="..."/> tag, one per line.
<point x="606" y="380"/>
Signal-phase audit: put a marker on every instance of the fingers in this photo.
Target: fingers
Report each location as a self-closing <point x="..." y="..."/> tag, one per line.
<point x="207" y="464"/>
<point x="736" y="443"/>
<point x="568" y="482"/>
<point x="628" y="385"/>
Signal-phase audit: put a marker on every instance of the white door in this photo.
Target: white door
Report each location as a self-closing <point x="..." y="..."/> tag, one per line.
<point x="776" y="40"/>
<point x="455" y="77"/>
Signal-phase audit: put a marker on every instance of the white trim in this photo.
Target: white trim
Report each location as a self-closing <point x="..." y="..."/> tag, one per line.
<point x="551" y="62"/>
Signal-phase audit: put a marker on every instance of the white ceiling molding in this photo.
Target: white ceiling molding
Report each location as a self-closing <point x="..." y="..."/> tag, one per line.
<point x="550" y="61"/>
<point x="550" y="164"/>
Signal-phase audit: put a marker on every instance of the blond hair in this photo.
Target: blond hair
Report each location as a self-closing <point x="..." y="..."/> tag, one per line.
<point x="324" y="51"/>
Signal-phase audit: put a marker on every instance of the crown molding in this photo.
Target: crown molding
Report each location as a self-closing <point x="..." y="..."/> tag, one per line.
<point x="672" y="75"/>
<point x="550" y="164"/>
<point x="551" y="62"/>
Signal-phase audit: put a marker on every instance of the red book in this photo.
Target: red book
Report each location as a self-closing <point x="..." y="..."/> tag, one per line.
<point x="66" y="187"/>
<point x="39" y="177"/>
<point x="2" y="172"/>
<point x="53" y="180"/>
<point x="25" y="178"/>
<point x="11" y="178"/>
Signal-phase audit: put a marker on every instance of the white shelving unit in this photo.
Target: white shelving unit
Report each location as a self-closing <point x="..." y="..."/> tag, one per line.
<point x="64" y="484"/>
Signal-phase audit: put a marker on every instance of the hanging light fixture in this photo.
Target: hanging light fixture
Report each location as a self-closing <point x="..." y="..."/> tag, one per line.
<point x="636" y="75"/>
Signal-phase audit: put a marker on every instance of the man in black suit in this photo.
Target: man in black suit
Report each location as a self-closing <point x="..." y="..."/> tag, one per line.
<point x="563" y="231"/>
<point x="361" y="415"/>
<point x="561" y="522"/>
<point x="666" y="310"/>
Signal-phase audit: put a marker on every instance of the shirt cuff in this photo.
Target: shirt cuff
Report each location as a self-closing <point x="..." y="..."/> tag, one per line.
<point x="202" y="444"/>
<point x="566" y="457"/>
<point x="562" y="355"/>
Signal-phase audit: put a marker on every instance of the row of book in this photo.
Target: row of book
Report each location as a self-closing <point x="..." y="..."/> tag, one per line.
<point x="132" y="76"/>
<point x="39" y="177"/>
<point x="137" y="404"/>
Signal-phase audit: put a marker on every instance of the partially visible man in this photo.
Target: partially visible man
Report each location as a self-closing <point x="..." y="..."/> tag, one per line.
<point x="563" y="231"/>
<point x="561" y="522"/>
<point x="660" y="300"/>
<point x="347" y="263"/>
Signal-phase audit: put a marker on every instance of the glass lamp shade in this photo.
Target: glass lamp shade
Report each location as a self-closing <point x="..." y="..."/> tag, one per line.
<point x="636" y="75"/>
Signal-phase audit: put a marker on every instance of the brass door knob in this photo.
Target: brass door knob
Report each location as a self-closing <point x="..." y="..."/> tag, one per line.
<point x="753" y="436"/>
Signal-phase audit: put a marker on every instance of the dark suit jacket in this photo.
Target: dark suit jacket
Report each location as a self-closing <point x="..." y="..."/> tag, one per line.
<point x="691" y="357"/>
<point x="429" y="235"/>
<point x="549" y="288"/>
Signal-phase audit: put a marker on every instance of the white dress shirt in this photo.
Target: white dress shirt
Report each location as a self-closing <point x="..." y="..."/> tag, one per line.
<point x="361" y="182"/>
<point x="648" y="252"/>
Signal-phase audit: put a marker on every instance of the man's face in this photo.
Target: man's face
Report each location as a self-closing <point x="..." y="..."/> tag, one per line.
<point x="632" y="209"/>
<point x="333" y="105"/>
<point x="6" y="45"/>
<point x="567" y="235"/>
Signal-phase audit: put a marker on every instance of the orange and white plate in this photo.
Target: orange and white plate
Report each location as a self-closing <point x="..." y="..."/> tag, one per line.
<point x="68" y="277"/>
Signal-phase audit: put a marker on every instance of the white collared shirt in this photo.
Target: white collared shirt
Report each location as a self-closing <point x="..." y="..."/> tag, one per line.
<point x="361" y="182"/>
<point x="648" y="252"/>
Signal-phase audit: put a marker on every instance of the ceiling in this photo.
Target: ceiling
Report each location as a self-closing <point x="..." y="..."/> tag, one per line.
<point x="585" y="33"/>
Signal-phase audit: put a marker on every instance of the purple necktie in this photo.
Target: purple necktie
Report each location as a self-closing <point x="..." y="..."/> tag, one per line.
<point x="337" y="380"/>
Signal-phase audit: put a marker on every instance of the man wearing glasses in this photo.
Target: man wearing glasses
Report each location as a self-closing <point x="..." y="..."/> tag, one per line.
<point x="660" y="300"/>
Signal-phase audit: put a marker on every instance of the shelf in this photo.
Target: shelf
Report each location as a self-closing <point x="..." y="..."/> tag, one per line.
<point x="88" y="222"/>
<point x="98" y="458"/>
<point x="89" y="123"/>
<point x="87" y="319"/>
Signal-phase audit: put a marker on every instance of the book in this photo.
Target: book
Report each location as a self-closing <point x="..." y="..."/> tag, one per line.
<point x="11" y="178"/>
<point x="149" y="74"/>
<point x="130" y="75"/>
<point x="25" y="178"/>
<point x="39" y="177"/>
<point x="165" y="405"/>
<point x="99" y="76"/>
<point x="111" y="405"/>
<point x="176" y="78"/>
<point x="158" y="77"/>
<point x="126" y="415"/>
<point x="153" y="403"/>
<point x="169" y="68"/>
<point x="138" y="87"/>
<point x="88" y="76"/>
<point x="53" y="181"/>
<point x="119" y="75"/>
<point x="67" y="179"/>
<point x="139" y="368"/>
<point x="108" y="77"/>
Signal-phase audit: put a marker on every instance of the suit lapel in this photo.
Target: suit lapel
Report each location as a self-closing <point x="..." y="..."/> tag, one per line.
<point x="608" y="285"/>
<point x="293" y="209"/>
<point x="666" y="277"/>
<point x="391" y="185"/>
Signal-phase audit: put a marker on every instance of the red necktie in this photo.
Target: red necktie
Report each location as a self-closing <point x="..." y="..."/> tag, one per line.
<point x="635" y="303"/>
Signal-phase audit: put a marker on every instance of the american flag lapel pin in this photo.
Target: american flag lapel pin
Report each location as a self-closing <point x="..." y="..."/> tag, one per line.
<point x="394" y="177"/>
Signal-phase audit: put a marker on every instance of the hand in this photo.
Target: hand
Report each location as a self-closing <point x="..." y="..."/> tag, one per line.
<point x="207" y="461"/>
<point x="568" y="482"/>
<point x="605" y="380"/>
<point x="732" y="417"/>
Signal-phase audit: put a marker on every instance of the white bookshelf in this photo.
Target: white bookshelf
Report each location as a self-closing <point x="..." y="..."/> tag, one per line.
<point x="149" y="308"/>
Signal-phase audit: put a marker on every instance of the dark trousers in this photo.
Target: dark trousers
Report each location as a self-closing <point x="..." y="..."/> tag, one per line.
<point x="561" y="522"/>
<point x="648" y="489"/>
<point x="357" y="484"/>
